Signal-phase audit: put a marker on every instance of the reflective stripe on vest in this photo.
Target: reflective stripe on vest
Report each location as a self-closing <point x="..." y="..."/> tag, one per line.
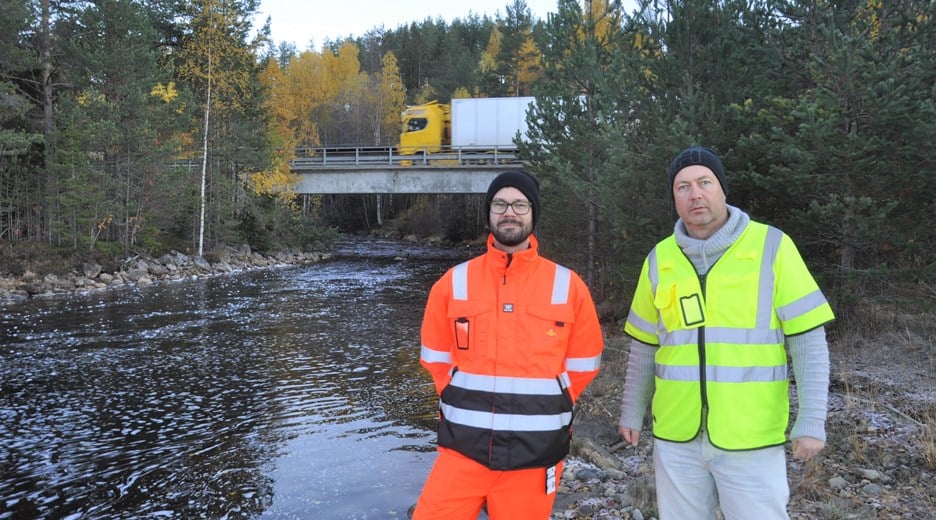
<point x="588" y="364"/>
<point x="722" y="335"/>
<point x="460" y="281"/>
<point x="510" y="385"/>
<point x="718" y="374"/>
<point x="500" y="385"/>
<point x="560" y="290"/>
<point x="506" y="422"/>
<point x="801" y="306"/>
<point x="434" y="356"/>
<point x="644" y="326"/>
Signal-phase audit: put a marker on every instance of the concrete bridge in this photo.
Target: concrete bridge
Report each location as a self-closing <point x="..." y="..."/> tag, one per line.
<point x="399" y="179"/>
<point x="382" y="170"/>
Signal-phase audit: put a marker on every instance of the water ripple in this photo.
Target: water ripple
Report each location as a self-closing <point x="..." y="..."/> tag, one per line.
<point x="288" y="393"/>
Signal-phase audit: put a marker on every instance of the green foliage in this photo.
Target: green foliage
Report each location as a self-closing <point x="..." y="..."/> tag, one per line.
<point x="434" y="52"/>
<point x="576" y="104"/>
<point x="823" y="114"/>
<point x="113" y="140"/>
<point x="110" y="249"/>
<point x="824" y="125"/>
<point x="268" y="224"/>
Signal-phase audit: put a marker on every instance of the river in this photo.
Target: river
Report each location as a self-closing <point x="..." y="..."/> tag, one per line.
<point x="290" y="392"/>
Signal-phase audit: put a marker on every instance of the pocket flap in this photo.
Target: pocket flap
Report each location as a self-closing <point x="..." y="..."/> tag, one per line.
<point x="559" y="313"/>
<point x="467" y="309"/>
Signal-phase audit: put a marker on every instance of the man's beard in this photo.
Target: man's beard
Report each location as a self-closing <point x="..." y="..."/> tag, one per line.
<point x="512" y="238"/>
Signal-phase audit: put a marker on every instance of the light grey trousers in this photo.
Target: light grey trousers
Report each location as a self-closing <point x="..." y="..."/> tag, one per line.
<point x="694" y="478"/>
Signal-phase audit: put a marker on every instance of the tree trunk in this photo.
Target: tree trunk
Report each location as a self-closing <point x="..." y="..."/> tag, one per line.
<point x="47" y="95"/>
<point x="379" y="216"/>
<point x="592" y="232"/>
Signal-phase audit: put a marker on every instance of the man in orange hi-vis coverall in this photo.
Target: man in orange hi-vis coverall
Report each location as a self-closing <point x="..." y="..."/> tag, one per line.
<point x="511" y="340"/>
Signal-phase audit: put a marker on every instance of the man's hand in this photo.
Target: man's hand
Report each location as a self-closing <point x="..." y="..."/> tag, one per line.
<point x="629" y="435"/>
<point x="805" y="448"/>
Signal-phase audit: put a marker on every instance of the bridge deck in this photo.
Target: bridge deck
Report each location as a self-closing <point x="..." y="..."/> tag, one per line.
<point x="399" y="179"/>
<point x="383" y="170"/>
<point x="358" y="170"/>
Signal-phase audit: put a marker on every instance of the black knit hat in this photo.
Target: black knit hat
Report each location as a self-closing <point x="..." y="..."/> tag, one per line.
<point x="523" y="181"/>
<point x="702" y="156"/>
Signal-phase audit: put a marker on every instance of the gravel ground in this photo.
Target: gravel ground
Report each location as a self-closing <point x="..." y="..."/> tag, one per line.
<point x="879" y="462"/>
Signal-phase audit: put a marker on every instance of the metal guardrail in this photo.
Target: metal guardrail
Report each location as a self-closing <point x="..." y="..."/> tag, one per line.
<point x="357" y="156"/>
<point x="310" y="158"/>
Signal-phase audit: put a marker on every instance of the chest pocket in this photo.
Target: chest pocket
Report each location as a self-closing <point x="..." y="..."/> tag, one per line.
<point x="549" y="325"/>
<point x="471" y="324"/>
<point x="680" y="304"/>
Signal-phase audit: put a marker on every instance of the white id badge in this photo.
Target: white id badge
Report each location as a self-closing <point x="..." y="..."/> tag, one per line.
<point x="550" y="480"/>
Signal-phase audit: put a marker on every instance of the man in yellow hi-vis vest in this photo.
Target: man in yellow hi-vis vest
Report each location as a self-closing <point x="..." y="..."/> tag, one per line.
<point x="717" y="305"/>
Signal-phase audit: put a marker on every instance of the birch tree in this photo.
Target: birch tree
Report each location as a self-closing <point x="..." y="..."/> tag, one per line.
<point x="216" y="61"/>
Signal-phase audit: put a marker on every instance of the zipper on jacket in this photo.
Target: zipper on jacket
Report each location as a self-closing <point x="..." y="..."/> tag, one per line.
<point x="509" y="260"/>
<point x="702" y="356"/>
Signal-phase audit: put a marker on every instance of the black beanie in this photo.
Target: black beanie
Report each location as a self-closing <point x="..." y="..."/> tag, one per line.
<point x="702" y="156"/>
<point x="523" y="181"/>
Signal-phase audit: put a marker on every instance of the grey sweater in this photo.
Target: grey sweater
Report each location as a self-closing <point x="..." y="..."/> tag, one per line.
<point x="809" y="351"/>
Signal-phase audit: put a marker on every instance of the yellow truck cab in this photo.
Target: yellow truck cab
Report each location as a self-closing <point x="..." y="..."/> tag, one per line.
<point x="426" y="128"/>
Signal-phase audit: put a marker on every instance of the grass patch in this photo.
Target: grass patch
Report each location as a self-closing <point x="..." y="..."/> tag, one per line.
<point x="927" y="441"/>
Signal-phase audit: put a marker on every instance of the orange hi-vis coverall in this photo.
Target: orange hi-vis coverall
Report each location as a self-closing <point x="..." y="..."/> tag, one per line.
<point x="511" y="341"/>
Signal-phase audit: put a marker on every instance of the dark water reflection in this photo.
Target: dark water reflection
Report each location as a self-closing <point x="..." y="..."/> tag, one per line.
<point x="286" y="393"/>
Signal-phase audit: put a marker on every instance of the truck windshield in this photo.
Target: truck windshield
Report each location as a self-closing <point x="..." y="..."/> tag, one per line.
<point x="416" y="124"/>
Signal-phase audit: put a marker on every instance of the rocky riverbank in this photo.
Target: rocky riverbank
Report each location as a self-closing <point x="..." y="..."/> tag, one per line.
<point x="143" y="271"/>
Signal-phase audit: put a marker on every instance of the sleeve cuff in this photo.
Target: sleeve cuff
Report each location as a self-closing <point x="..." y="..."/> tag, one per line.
<point x="809" y="428"/>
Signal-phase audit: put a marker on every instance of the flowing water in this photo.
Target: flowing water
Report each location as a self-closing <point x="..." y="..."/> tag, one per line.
<point x="292" y="392"/>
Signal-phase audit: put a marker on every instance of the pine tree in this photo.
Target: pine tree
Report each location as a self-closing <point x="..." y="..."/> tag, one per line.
<point x="573" y="111"/>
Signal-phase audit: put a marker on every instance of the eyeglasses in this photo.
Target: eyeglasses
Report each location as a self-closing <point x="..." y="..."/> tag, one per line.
<point x="520" y="207"/>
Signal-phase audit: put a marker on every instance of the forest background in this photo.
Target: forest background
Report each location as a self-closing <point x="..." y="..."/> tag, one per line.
<point x="123" y="122"/>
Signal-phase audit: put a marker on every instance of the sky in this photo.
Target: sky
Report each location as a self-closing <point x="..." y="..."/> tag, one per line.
<point x="299" y="21"/>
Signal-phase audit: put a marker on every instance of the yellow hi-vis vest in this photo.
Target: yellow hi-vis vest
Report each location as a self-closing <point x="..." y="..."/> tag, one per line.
<point x="721" y="337"/>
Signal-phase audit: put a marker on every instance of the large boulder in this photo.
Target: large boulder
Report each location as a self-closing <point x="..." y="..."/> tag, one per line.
<point x="91" y="269"/>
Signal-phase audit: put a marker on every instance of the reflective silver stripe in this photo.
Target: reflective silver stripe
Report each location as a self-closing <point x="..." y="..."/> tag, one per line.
<point x="506" y="422"/>
<point x="743" y="336"/>
<point x="801" y="306"/>
<point x="434" y="356"/>
<point x="585" y="364"/>
<point x="722" y="335"/>
<point x="564" y="380"/>
<point x="765" y="289"/>
<point x="506" y="385"/>
<point x="721" y="374"/>
<point x="678" y="337"/>
<point x="677" y="372"/>
<point x="560" y="292"/>
<point x="652" y="270"/>
<point x="641" y="324"/>
<point x="460" y="281"/>
<point x="654" y="275"/>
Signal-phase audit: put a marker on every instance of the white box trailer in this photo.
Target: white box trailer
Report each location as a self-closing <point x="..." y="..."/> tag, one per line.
<point x="488" y="123"/>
